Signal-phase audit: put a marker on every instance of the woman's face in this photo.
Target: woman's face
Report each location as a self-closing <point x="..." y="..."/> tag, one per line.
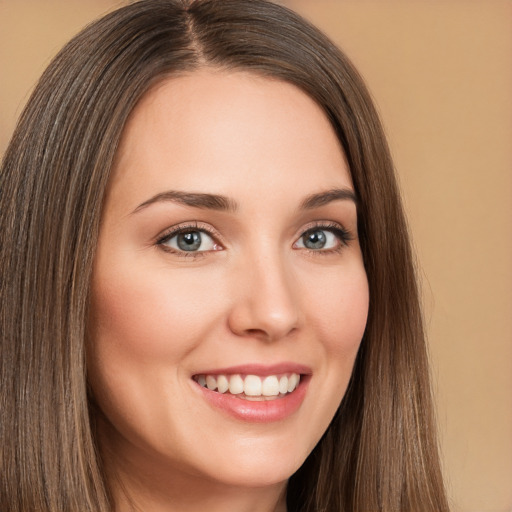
<point x="228" y="254"/>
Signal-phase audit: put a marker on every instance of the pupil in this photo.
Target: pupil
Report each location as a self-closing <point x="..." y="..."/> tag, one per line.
<point x="190" y="241"/>
<point x="315" y="240"/>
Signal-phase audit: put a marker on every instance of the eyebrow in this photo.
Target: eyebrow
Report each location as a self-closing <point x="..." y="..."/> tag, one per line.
<point x="194" y="199"/>
<point x="323" y="198"/>
<point x="223" y="203"/>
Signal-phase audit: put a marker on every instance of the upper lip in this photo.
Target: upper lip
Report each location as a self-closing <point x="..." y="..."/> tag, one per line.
<point x="259" y="369"/>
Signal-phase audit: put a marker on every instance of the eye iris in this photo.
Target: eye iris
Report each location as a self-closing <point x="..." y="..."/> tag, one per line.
<point x="315" y="240"/>
<point x="189" y="241"/>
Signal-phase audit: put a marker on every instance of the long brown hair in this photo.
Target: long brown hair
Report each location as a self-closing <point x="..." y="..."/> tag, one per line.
<point x="380" y="452"/>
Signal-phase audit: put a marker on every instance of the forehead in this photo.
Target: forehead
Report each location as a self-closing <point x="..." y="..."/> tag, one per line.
<point x="228" y="133"/>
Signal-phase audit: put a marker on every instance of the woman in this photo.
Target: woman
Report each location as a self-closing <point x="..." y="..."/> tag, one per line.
<point x="208" y="295"/>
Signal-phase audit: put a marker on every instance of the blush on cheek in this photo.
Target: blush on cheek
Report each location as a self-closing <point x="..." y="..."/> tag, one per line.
<point x="343" y="313"/>
<point x="148" y="317"/>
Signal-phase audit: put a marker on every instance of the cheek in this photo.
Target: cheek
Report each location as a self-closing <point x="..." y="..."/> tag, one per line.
<point x="339" y="311"/>
<point x="338" y="315"/>
<point x="146" y="315"/>
<point x="142" y="328"/>
<point x="337" y="307"/>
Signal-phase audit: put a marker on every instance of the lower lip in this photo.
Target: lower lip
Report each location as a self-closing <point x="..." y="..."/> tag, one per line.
<point x="265" y="411"/>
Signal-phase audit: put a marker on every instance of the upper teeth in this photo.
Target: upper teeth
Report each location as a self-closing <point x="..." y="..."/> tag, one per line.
<point x="251" y="385"/>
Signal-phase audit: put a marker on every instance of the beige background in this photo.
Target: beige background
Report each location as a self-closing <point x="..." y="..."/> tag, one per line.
<point x="441" y="74"/>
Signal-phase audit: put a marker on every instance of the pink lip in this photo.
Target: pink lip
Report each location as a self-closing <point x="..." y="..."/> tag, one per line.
<point x="260" y="369"/>
<point x="258" y="411"/>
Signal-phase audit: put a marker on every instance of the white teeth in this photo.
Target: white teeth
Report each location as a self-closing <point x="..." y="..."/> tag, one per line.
<point x="253" y="386"/>
<point x="236" y="385"/>
<point x="270" y="386"/>
<point x="283" y="384"/>
<point x="211" y="382"/>
<point x="293" y="382"/>
<point x="222" y="384"/>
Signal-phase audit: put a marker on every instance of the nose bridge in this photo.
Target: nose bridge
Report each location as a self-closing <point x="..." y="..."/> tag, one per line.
<point x="267" y="303"/>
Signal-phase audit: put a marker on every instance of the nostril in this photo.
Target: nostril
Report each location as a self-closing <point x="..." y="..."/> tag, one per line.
<point x="272" y="334"/>
<point x="256" y="332"/>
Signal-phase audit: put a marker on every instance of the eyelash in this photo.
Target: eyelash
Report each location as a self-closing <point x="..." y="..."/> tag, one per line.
<point x="186" y="228"/>
<point x="343" y="235"/>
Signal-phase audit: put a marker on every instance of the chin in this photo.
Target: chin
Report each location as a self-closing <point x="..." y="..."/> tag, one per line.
<point x="258" y="464"/>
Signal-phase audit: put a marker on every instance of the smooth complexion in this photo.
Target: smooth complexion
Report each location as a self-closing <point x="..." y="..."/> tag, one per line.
<point x="273" y="282"/>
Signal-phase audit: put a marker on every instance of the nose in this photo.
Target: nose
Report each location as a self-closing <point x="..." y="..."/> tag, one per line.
<point x="266" y="301"/>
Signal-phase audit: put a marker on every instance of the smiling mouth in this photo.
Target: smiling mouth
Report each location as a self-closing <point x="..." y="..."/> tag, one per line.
<point x="251" y="387"/>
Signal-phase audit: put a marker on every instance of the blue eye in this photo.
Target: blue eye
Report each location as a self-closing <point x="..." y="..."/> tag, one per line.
<point x="322" y="239"/>
<point x="189" y="240"/>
